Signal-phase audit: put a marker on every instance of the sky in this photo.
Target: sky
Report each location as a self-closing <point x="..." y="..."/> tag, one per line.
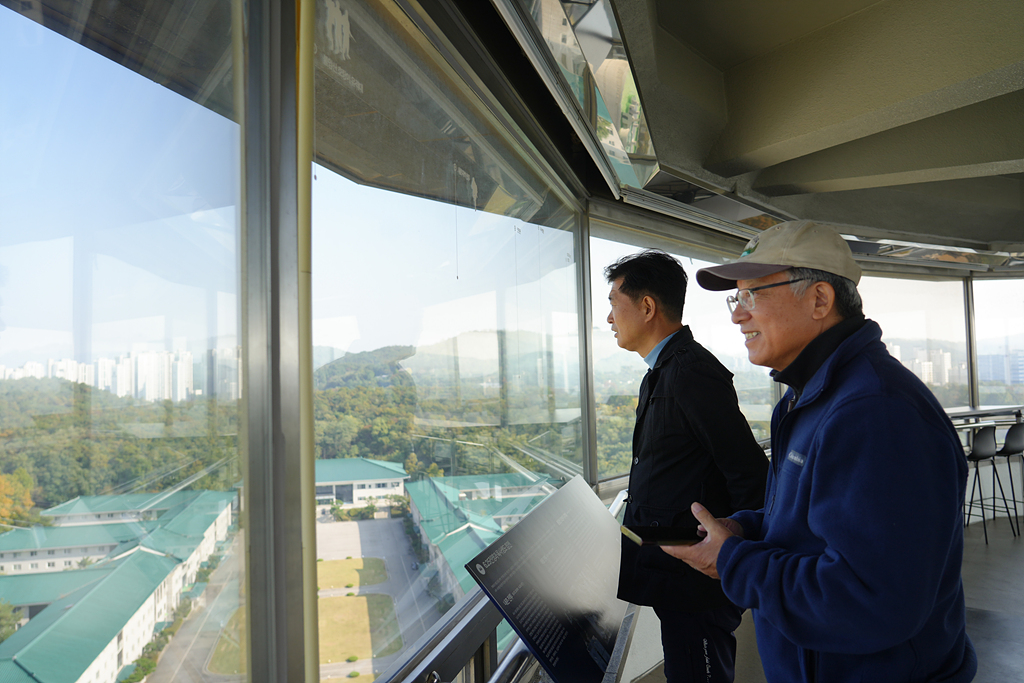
<point x="118" y="215"/>
<point x="117" y="207"/>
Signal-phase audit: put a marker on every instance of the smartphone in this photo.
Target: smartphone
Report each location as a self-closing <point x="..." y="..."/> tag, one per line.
<point x="661" y="535"/>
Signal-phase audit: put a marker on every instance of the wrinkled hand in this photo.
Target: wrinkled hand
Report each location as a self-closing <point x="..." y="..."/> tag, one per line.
<point x="703" y="556"/>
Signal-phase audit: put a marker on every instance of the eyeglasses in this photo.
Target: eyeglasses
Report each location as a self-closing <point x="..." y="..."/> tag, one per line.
<point x="745" y="297"/>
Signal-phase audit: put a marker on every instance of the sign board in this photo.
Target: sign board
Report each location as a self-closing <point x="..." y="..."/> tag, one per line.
<point x="554" y="576"/>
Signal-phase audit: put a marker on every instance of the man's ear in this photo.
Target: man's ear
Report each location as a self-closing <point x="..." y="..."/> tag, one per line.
<point x="824" y="300"/>
<point x="649" y="308"/>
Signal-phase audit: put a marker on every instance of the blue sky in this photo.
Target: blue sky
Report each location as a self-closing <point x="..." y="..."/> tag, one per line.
<point x="115" y="192"/>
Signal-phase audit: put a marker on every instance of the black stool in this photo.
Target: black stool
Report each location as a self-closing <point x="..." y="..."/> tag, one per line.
<point x="983" y="447"/>
<point x="1013" y="447"/>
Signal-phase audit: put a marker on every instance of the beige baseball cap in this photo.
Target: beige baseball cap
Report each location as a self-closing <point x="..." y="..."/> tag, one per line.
<point x="794" y="244"/>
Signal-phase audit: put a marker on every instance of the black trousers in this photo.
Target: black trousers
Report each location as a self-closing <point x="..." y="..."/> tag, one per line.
<point x="700" y="647"/>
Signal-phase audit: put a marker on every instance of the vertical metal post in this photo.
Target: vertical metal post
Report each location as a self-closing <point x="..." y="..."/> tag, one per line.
<point x="588" y="417"/>
<point x="974" y="388"/>
<point x="270" y="330"/>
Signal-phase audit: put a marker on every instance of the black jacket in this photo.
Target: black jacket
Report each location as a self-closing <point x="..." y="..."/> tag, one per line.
<point x="691" y="443"/>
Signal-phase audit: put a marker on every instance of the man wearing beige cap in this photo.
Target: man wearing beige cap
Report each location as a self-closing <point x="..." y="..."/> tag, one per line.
<point x="852" y="567"/>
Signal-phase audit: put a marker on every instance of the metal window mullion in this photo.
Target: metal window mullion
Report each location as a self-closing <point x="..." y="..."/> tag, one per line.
<point x="270" y="408"/>
<point x="973" y="385"/>
<point x="586" y="326"/>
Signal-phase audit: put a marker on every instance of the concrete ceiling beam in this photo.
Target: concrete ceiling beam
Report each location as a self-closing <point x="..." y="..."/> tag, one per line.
<point x="889" y="65"/>
<point x="982" y="139"/>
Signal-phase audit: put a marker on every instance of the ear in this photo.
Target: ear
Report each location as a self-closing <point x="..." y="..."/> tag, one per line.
<point x="824" y="300"/>
<point x="649" y="308"/>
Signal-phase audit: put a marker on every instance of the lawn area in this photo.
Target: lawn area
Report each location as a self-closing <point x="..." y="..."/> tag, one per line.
<point x="361" y="625"/>
<point x="230" y="654"/>
<point x="364" y="571"/>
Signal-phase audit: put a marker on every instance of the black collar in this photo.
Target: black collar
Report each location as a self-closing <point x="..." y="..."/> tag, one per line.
<point x="814" y="355"/>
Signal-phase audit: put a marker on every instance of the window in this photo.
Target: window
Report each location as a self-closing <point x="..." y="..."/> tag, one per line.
<point x="32" y="553"/>
<point x="999" y="322"/>
<point x="924" y="328"/>
<point x="17" y="567"/>
<point x="465" y="361"/>
<point x="120" y="319"/>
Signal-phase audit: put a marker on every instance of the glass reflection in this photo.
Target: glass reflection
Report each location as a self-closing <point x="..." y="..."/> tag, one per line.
<point x="600" y="78"/>
<point x="924" y="328"/>
<point x="119" y="351"/>
<point x="445" y="330"/>
<point x="597" y="30"/>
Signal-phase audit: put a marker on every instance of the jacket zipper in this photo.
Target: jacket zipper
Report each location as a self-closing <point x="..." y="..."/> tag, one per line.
<point x="775" y="460"/>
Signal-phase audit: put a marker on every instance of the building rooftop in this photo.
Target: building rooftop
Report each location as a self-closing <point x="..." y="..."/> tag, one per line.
<point x="128" y="502"/>
<point x="48" y="587"/>
<point x="357" y="469"/>
<point x="44" y="537"/>
<point x="81" y="624"/>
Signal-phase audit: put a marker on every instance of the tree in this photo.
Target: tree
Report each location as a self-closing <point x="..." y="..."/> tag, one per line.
<point x="434" y="470"/>
<point x="15" y="495"/>
<point x="9" y="618"/>
<point x="413" y="466"/>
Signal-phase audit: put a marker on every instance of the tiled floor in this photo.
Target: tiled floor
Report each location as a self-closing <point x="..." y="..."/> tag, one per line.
<point x="993" y="577"/>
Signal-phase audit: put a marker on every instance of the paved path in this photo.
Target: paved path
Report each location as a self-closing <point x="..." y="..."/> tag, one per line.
<point x="384" y="538"/>
<point x="188" y="653"/>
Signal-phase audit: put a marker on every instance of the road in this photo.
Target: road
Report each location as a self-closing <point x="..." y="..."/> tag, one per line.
<point x="186" y="656"/>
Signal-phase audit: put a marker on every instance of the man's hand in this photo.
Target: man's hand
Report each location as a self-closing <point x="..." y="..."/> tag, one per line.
<point x="704" y="555"/>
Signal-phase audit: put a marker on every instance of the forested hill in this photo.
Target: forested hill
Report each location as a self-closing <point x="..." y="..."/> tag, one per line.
<point x="72" y="440"/>
<point x="378" y="368"/>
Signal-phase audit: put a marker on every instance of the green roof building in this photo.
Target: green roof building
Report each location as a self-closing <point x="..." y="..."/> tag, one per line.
<point x="178" y="525"/>
<point x="353" y="482"/>
<point x="93" y="631"/>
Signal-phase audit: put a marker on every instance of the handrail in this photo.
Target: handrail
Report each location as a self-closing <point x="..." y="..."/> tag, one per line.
<point x="446" y="651"/>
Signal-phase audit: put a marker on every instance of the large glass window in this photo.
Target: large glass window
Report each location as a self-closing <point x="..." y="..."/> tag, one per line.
<point x="119" y="344"/>
<point x="618" y="373"/>
<point x="923" y="326"/>
<point x="445" y="331"/>
<point x="999" y="326"/>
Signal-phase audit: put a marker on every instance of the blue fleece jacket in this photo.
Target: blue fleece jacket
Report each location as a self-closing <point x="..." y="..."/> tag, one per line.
<point x="852" y="568"/>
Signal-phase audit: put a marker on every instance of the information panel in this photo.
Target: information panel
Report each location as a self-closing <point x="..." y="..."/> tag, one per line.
<point x="554" y="576"/>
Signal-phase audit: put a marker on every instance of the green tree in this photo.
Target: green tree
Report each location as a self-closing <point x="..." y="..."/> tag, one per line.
<point x="9" y="618"/>
<point x="413" y="466"/>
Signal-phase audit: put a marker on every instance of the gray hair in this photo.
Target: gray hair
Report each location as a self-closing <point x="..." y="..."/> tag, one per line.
<point x="848" y="301"/>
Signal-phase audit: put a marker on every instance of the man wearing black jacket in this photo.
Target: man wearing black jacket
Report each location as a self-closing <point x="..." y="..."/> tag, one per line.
<point x="690" y="442"/>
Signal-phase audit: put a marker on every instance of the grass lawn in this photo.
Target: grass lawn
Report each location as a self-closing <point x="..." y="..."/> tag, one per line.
<point x="230" y="654"/>
<point x="364" y="571"/>
<point x="361" y="625"/>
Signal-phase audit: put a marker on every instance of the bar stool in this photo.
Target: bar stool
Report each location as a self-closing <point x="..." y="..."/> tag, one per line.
<point x="983" y="448"/>
<point x="1013" y="447"/>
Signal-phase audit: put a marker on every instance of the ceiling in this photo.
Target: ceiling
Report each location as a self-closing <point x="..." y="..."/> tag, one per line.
<point x="900" y="119"/>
